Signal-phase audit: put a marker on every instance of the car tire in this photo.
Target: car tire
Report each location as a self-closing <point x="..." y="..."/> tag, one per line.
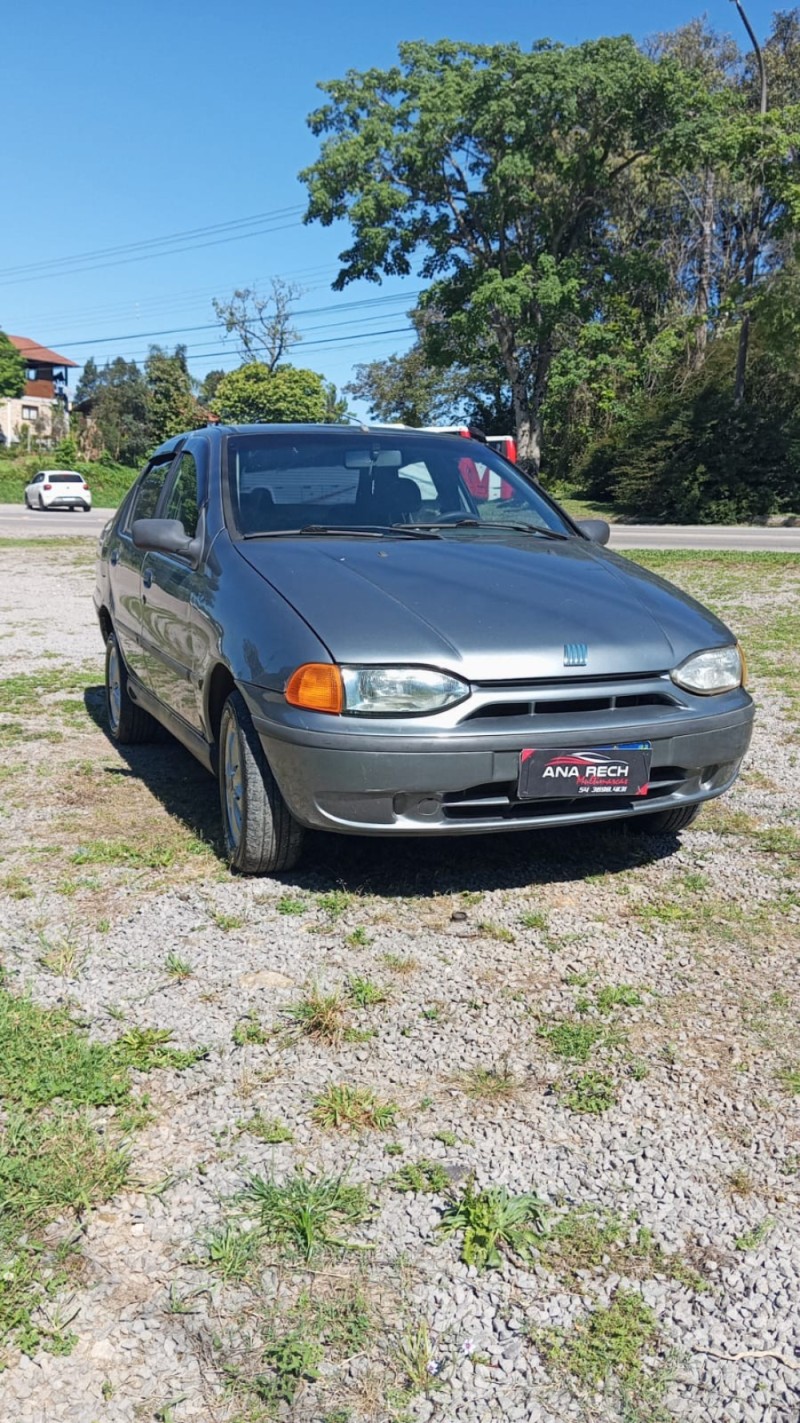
<point x="41" y="503"/>
<point x="261" y="835"/>
<point x="86" y="508"/>
<point x="128" y="724"/>
<point x="665" y="822"/>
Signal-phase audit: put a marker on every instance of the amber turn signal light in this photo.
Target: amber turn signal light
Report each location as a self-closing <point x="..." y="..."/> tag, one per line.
<point x="317" y="686"/>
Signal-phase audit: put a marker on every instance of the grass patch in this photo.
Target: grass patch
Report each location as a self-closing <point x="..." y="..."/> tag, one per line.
<point x="177" y="968"/>
<point x="320" y="1016"/>
<point x="422" y="1177"/>
<point x="308" y="1216"/>
<point x="266" y="1129"/>
<point x="590" y="1094"/>
<point x="588" y="1239"/>
<point x="335" y="903"/>
<point x="609" y="1348"/>
<point x="789" y="1078"/>
<point x="492" y="1084"/>
<point x="498" y="932"/>
<point x="355" y="1108"/>
<point x="570" y="1039"/>
<point x="365" y="993"/>
<point x="494" y="1224"/>
<point x="55" y="1161"/>
<point x="287" y="905"/>
<point x="249" y="1031"/>
<point x="752" y="1239"/>
<point x="619" y="995"/>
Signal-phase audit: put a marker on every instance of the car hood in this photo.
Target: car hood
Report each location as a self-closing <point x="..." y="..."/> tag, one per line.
<point x="490" y="609"/>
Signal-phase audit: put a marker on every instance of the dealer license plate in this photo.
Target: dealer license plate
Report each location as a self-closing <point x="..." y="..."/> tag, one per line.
<point x="595" y="770"/>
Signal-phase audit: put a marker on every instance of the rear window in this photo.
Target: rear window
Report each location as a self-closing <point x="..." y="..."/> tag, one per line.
<point x="64" y="478"/>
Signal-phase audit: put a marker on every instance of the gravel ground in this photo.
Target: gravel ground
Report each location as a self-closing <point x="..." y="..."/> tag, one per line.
<point x="482" y="947"/>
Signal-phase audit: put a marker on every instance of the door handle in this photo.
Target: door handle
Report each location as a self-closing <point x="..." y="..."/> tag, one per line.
<point x="147" y="577"/>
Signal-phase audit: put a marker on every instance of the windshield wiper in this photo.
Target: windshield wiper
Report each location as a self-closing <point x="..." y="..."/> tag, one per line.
<point x="468" y="523"/>
<point x="365" y="531"/>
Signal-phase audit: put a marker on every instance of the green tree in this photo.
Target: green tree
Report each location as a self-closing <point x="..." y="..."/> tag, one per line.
<point x="111" y="404"/>
<point x="207" y="388"/>
<point x="497" y="171"/>
<point x="171" y="406"/>
<point x="254" y="393"/>
<point x="12" y="370"/>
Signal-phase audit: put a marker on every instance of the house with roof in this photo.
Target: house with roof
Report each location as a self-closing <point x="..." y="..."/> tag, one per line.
<point x="45" y="396"/>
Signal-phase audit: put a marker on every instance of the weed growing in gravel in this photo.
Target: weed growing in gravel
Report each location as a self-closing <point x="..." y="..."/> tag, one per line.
<point x="499" y="932"/>
<point x="608" y="1348"/>
<point x="571" y="1039"/>
<point x="267" y="1129"/>
<point x="366" y="993"/>
<point x="422" y="1177"/>
<point x="231" y="1250"/>
<point x="177" y="968"/>
<point x="789" y="1078"/>
<point x="588" y="1239"/>
<point x="306" y="1215"/>
<point x="17" y="885"/>
<point x="44" y="1057"/>
<point x="534" y="919"/>
<point x="227" y="922"/>
<point x="751" y="1239"/>
<point x="619" y="995"/>
<point x="65" y="958"/>
<point x="401" y="963"/>
<point x="493" y="1224"/>
<point x="358" y="939"/>
<point x="292" y="1359"/>
<point x="119" y="852"/>
<point x="146" y="1048"/>
<point x="335" y="903"/>
<point x="590" y="1094"/>
<point x="249" y="1030"/>
<point x="490" y="1084"/>
<point x="447" y="1138"/>
<point x="287" y="905"/>
<point x="416" y="1364"/>
<point x="319" y="1015"/>
<point x="352" y="1107"/>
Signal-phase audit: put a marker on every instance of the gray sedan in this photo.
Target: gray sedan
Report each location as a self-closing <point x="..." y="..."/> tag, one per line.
<point x="388" y="632"/>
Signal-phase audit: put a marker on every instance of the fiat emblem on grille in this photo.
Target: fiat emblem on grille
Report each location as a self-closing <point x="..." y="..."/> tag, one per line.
<point x="576" y="654"/>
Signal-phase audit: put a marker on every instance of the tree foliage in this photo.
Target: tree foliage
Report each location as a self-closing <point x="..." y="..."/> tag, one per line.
<point x="589" y="221"/>
<point x="254" y="393"/>
<point x="12" y="370"/>
<point x="171" y="406"/>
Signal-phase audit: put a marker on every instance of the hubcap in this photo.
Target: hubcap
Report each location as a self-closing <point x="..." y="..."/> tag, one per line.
<point x="234" y="786"/>
<point x="114" y="687"/>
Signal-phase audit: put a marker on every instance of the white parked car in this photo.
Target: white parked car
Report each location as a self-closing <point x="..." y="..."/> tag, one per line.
<point x="58" y="489"/>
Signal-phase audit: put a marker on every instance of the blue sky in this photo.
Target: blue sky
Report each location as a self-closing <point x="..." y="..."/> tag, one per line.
<point x="124" y="124"/>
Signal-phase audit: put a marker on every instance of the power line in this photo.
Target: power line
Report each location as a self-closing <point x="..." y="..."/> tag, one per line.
<point x="148" y="256"/>
<point x="332" y="307"/>
<point x="217" y="227"/>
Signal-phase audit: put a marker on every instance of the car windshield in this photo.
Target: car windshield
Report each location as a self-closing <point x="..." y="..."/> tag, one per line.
<point x="379" y="481"/>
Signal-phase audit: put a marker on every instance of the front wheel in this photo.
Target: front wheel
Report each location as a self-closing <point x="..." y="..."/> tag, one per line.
<point x="127" y="723"/>
<point x="261" y="834"/>
<point x="665" y="822"/>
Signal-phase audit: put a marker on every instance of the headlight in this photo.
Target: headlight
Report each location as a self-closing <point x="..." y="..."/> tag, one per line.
<point x="387" y="691"/>
<point x="720" y="669"/>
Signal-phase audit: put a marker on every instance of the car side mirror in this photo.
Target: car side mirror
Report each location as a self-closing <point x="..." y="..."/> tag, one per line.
<point x="165" y="536"/>
<point x="597" y="530"/>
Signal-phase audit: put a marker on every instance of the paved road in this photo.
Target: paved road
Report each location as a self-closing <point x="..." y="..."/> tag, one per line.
<point x="17" y="522"/>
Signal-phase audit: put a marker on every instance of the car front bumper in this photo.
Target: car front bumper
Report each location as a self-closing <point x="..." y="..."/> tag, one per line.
<point x="360" y="780"/>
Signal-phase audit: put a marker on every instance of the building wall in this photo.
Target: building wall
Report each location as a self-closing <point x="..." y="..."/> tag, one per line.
<point x="14" y="413"/>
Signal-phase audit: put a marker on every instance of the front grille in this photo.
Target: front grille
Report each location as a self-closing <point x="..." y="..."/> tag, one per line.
<point x="497" y="800"/>
<point x="572" y="706"/>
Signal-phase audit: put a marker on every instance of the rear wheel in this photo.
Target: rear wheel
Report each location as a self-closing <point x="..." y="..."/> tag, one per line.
<point x="665" y="822"/>
<point x="127" y="723"/>
<point x="261" y="834"/>
<point x="41" y="503"/>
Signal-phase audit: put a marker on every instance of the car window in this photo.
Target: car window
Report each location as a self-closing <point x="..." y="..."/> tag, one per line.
<point x="279" y="482"/>
<point x="147" y="495"/>
<point x="182" y="501"/>
<point x="63" y="477"/>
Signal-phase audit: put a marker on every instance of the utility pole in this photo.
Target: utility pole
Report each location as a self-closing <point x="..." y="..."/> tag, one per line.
<point x="751" y="256"/>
